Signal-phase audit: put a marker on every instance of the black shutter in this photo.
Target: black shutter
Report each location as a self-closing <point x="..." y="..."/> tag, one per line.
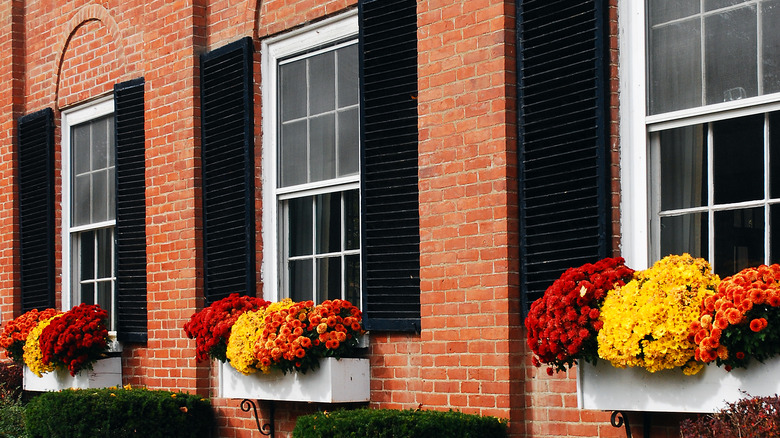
<point x="36" y="209"/>
<point x="130" y="211"/>
<point x="390" y="200"/>
<point x="228" y="163"/>
<point x="563" y="147"/>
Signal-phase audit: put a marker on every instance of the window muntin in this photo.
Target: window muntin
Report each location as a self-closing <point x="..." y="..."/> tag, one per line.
<point x="316" y="166"/>
<point x="89" y="201"/>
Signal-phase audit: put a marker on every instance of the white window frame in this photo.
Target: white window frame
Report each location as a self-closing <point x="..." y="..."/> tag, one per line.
<point x="273" y="49"/>
<point x="71" y="117"/>
<point x="636" y="127"/>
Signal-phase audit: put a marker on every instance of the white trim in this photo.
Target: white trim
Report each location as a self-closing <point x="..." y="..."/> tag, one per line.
<point x="72" y="117"/>
<point x="634" y="220"/>
<point x="273" y="49"/>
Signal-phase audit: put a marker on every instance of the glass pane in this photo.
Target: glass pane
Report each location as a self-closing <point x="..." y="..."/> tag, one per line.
<point x="323" y="147"/>
<point x="80" y="147"/>
<point x="293" y="154"/>
<point x="80" y="203"/>
<point x="328" y="223"/>
<point x="348" y="75"/>
<point x="738" y="157"/>
<point x="683" y="168"/>
<point x="111" y="212"/>
<point x="328" y="278"/>
<point x="292" y="79"/>
<point x="352" y="279"/>
<point x="300" y="226"/>
<point x="322" y="83"/>
<point x="665" y="10"/>
<point x="686" y="233"/>
<point x="86" y="247"/>
<point x="111" y="142"/>
<point x="739" y="240"/>
<point x="730" y="55"/>
<point x="770" y="45"/>
<point x="105" y="240"/>
<point x="675" y="73"/>
<point x="104" y="296"/>
<point x="774" y="155"/>
<point x="300" y="280"/>
<point x="88" y="293"/>
<point x="348" y="142"/>
<point x="711" y="5"/>
<point x="100" y="144"/>
<point x="352" y="219"/>
<point x="100" y="196"/>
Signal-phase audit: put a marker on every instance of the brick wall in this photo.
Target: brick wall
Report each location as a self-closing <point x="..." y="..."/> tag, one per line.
<point x="471" y="353"/>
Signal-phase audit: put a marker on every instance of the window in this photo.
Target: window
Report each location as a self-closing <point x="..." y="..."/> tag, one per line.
<point x="89" y="208"/>
<point x="710" y="132"/>
<point x="312" y="159"/>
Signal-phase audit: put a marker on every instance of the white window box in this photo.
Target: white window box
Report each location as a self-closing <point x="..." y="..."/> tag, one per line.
<point x="604" y="387"/>
<point x="105" y="373"/>
<point x="335" y="381"/>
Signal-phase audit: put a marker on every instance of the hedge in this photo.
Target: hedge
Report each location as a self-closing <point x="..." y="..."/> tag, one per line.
<point x="117" y="413"/>
<point x="388" y="423"/>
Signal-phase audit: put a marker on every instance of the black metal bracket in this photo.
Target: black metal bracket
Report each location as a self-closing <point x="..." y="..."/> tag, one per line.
<point x="268" y="428"/>
<point x="618" y="419"/>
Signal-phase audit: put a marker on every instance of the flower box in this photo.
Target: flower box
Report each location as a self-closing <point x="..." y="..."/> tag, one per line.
<point x="335" y="381"/>
<point x="105" y="373"/>
<point x="604" y="387"/>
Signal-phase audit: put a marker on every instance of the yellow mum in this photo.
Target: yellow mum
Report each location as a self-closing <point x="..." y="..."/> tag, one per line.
<point x="244" y="335"/>
<point x="33" y="357"/>
<point x="647" y="321"/>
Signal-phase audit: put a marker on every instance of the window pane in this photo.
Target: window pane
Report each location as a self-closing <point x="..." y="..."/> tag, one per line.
<point x="300" y="226"/>
<point x="686" y="233"/>
<point x="104" y="296"/>
<point x="348" y="75"/>
<point x="322" y="83"/>
<point x="111" y="209"/>
<point x="328" y="278"/>
<point x="80" y="204"/>
<point x="105" y="250"/>
<point x="739" y="240"/>
<point x="711" y="5"/>
<point x="100" y="144"/>
<point x="683" y="168"/>
<point x="293" y="154"/>
<point x="292" y="80"/>
<point x="300" y="280"/>
<point x="774" y="155"/>
<point x="328" y="223"/>
<point x="80" y="146"/>
<point x="738" y="157"/>
<point x="348" y="142"/>
<point x="323" y="147"/>
<point x="352" y="279"/>
<point x="352" y="218"/>
<point x="730" y="55"/>
<point x="88" y="293"/>
<point x="774" y="234"/>
<point x="770" y="45"/>
<point x="675" y="66"/>
<point x="86" y="248"/>
<point x="99" y="196"/>
<point x="665" y="10"/>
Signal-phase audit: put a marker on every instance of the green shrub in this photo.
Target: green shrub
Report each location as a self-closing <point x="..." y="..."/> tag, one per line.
<point x="388" y="423"/>
<point x="116" y="413"/>
<point x="11" y="412"/>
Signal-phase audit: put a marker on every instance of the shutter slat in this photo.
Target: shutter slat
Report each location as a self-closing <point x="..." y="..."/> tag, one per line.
<point x="389" y="174"/>
<point x="36" y="209"/>
<point x="562" y="91"/>
<point x="227" y="161"/>
<point x="130" y="211"/>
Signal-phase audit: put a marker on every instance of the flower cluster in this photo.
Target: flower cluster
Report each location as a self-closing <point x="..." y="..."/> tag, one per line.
<point x="33" y="355"/>
<point x="245" y="334"/>
<point x="15" y="332"/>
<point x="742" y="320"/>
<point x="563" y="324"/>
<point x="647" y="321"/>
<point x="295" y="338"/>
<point x="77" y="339"/>
<point x="211" y="326"/>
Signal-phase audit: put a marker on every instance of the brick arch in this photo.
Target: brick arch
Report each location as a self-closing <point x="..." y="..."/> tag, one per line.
<point x="253" y="12"/>
<point x="89" y="24"/>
